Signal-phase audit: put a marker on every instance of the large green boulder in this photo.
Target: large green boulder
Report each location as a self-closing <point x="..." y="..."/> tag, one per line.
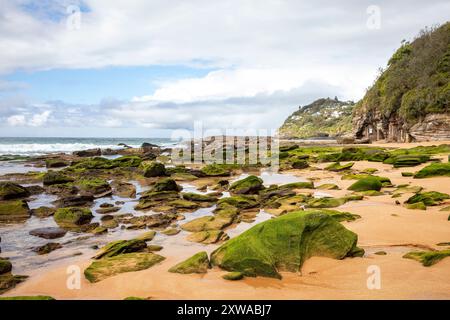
<point x="10" y="190"/>
<point x="331" y="202"/>
<point x="153" y="169"/>
<point x="128" y="262"/>
<point x="337" y="166"/>
<point x="72" y="217"/>
<point x="56" y="177"/>
<point x="430" y="198"/>
<point x="285" y="243"/>
<point x="197" y="197"/>
<point x="14" y="210"/>
<point x="241" y="201"/>
<point x="94" y="185"/>
<point x="365" y="184"/>
<point x="434" y="170"/>
<point x="120" y="247"/>
<point x="127" y="162"/>
<point x="249" y="185"/>
<point x="198" y="263"/>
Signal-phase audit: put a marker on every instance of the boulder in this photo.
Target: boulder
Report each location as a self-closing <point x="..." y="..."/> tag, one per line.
<point x="120" y="247"/>
<point x="216" y="170"/>
<point x="430" y="198"/>
<point x="336" y="167"/>
<point x="48" y="232"/>
<point x="88" y="153"/>
<point x="128" y="262"/>
<point x="56" y="163"/>
<point x="428" y="258"/>
<point x="75" y="201"/>
<point x="14" y="210"/>
<point x="285" y="243"/>
<point x="47" y="248"/>
<point x="93" y="186"/>
<point x="208" y="237"/>
<point x="249" y="185"/>
<point x="434" y="170"/>
<point x="240" y="201"/>
<point x="72" y="217"/>
<point x="43" y="212"/>
<point x="166" y="184"/>
<point x="10" y="190"/>
<point x="56" y="177"/>
<point x="124" y="189"/>
<point x="365" y="184"/>
<point x="153" y="169"/>
<point x="198" y="263"/>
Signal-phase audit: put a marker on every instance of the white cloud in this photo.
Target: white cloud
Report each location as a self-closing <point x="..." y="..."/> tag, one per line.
<point x="39" y="120"/>
<point x="16" y="120"/>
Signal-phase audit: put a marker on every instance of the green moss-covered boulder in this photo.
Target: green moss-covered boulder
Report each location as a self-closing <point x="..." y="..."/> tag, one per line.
<point x="153" y="169"/>
<point x="72" y="216"/>
<point x="430" y="198"/>
<point x="10" y="190"/>
<point x="434" y="170"/>
<point x="337" y="166"/>
<point x="14" y="210"/>
<point x="339" y="215"/>
<point x="240" y="201"/>
<point x="407" y="174"/>
<point x="216" y="170"/>
<point x="365" y="184"/>
<point x="299" y="164"/>
<point x="94" y="185"/>
<point x="94" y="163"/>
<point x="5" y="266"/>
<point x="331" y="202"/>
<point x="197" y="197"/>
<point x="128" y="262"/>
<point x="127" y="162"/>
<point x="285" y="243"/>
<point x="43" y="212"/>
<point x="198" y="263"/>
<point x="249" y="185"/>
<point x="216" y="222"/>
<point x="9" y="281"/>
<point x="427" y="258"/>
<point x="416" y="206"/>
<point x="166" y="184"/>
<point x="120" y="247"/>
<point x="233" y="276"/>
<point x="56" y="177"/>
<point x="407" y="160"/>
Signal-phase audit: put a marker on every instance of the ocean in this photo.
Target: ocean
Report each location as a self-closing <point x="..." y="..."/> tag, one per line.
<point x="40" y="146"/>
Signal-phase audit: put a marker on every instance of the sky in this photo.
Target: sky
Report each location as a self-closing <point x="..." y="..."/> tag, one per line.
<point x="129" y="68"/>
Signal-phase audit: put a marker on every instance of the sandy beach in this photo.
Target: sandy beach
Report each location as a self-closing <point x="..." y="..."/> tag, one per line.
<point x="384" y="226"/>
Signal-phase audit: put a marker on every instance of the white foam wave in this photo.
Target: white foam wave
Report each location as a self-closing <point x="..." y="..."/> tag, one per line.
<point x="44" y="148"/>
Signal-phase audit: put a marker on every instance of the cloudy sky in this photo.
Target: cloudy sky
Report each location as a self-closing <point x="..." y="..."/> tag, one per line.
<point x="129" y="68"/>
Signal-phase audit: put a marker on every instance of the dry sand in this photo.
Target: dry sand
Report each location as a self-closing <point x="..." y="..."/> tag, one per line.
<point x="383" y="226"/>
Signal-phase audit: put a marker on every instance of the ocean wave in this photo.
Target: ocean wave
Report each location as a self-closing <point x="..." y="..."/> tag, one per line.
<point x="26" y="149"/>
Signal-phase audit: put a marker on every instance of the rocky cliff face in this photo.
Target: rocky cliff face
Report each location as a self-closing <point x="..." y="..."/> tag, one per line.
<point x="322" y="118"/>
<point x="410" y="100"/>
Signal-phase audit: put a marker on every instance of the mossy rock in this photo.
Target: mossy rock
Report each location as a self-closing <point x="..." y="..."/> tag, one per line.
<point x="43" y="212"/>
<point x="240" y="201"/>
<point x="47" y="248"/>
<point x="365" y="184"/>
<point x="336" y="167"/>
<point x="165" y="184"/>
<point x="5" y="266"/>
<point x="380" y="253"/>
<point x="134" y="298"/>
<point x="300" y="164"/>
<point x="14" y="210"/>
<point x="427" y="258"/>
<point x="10" y="190"/>
<point x="445" y="208"/>
<point x="9" y="281"/>
<point x="407" y="174"/>
<point x="430" y="198"/>
<point x="146" y="236"/>
<point x="183" y="176"/>
<point x="216" y="222"/>
<point x="72" y="216"/>
<point x="371" y="193"/>
<point x="248" y="185"/>
<point x="401" y="161"/>
<point x="183" y="204"/>
<point x="153" y="169"/>
<point x="285" y="243"/>
<point x="121" y="247"/>
<point x="233" y="276"/>
<point x="171" y="231"/>
<point x="93" y="185"/>
<point x="56" y="177"/>
<point x="434" y="170"/>
<point x="331" y="202"/>
<point x="94" y="163"/>
<point x="128" y="262"/>
<point x="406" y="189"/>
<point x="197" y="197"/>
<point x="339" y="215"/>
<point x="198" y="263"/>
<point x="28" y="298"/>
<point x="417" y="206"/>
<point x="56" y="163"/>
<point x="208" y="236"/>
<point x="153" y="199"/>
<point x="298" y="185"/>
<point x="216" y="170"/>
<point x="127" y="162"/>
<point x="154" y="247"/>
<point x="328" y="186"/>
<point x="369" y="170"/>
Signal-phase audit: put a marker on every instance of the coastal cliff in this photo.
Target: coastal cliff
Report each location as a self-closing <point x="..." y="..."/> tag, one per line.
<point x="410" y="99"/>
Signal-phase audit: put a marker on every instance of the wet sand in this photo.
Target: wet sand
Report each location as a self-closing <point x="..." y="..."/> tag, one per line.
<point x="384" y="226"/>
